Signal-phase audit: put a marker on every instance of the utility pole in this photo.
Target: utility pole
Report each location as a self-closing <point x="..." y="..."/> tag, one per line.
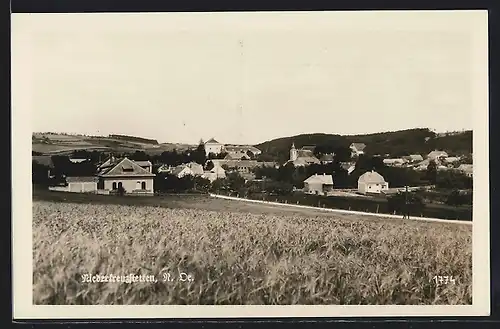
<point x="407" y="208"/>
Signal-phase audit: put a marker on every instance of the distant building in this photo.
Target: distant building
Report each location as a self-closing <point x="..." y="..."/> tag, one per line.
<point x="237" y="156"/>
<point x="357" y="149"/>
<point x="217" y="172"/>
<point x="82" y="184"/>
<point x="319" y="184"/>
<point x="186" y="169"/>
<point x="242" y="149"/>
<point x="372" y="182"/>
<point x="127" y="174"/>
<point x="326" y="158"/>
<point x="302" y="157"/>
<point x="451" y="160"/>
<point x="396" y="162"/>
<point x="413" y="158"/>
<point x="435" y="155"/>
<point x="466" y="169"/>
<point x="348" y="166"/>
<point x="213" y="146"/>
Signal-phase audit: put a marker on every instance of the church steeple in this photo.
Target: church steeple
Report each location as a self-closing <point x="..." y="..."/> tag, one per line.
<point x="293" y="153"/>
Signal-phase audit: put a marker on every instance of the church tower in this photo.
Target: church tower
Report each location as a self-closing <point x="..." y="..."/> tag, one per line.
<point x="293" y="153"/>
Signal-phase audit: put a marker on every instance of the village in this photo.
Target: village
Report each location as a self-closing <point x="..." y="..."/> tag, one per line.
<point x="239" y="170"/>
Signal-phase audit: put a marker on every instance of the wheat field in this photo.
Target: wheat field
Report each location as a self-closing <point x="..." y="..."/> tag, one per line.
<point x="235" y="257"/>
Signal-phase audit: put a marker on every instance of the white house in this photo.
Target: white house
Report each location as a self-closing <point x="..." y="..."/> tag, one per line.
<point x="394" y="162"/>
<point x="466" y="169"/>
<point x="434" y="155"/>
<point x="217" y="172"/>
<point x="372" y="182"/>
<point x="126" y="174"/>
<point x="413" y="158"/>
<point x="319" y="184"/>
<point x="213" y="146"/>
<point x="357" y="149"/>
<point x="451" y="160"/>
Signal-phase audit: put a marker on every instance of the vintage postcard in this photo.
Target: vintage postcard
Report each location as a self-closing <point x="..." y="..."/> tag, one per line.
<point x="258" y="164"/>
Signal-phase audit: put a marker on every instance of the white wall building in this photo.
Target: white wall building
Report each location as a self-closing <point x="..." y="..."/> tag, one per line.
<point x="372" y="182"/>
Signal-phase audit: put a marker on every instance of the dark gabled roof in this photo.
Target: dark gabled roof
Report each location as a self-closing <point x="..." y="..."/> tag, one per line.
<point x="212" y="141"/>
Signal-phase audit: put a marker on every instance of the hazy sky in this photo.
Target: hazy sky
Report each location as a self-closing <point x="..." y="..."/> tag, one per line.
<point x="246" y="78"/>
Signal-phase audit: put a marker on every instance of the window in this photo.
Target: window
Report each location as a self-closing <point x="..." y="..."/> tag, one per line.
<point x="114" y="185"/>
<point x="120" y="185"/>
<point x="143" y="185"/>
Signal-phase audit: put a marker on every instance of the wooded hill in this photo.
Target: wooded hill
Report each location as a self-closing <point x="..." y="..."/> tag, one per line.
<point x="395" y="143"/>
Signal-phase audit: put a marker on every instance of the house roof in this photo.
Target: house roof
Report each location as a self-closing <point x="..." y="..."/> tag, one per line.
<point x="241" y="148"/>
<point x="235" y="163"/>
<point x="124" y="168"/>
<point x="326" y="157"/>
<point x="465" y="168"/>
<point x="320" y="179"/>
<point x="308" y="148"/>
<point x="304" y="153"/>
<point x="45" y="160"/>
<point x="359" y="146"/>
<point x="371" y="177"/>
<point x="437" y="153"/>
<point x="81" y="179"/>
<point x="177" y="170"/>
<point x="237" y="156"/>
<point x="212" y="141"/>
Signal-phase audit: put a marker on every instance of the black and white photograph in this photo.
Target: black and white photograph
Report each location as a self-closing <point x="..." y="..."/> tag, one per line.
<point x="202" y="161"/>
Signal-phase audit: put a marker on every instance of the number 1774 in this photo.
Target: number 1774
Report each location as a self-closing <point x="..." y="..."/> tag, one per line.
<point x="443" y="279"/>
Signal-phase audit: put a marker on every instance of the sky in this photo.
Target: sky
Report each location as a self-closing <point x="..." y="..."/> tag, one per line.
<point x="246" y="77"/>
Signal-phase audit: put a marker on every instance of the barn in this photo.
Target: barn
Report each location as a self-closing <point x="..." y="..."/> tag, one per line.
<point x="82" y="184"/>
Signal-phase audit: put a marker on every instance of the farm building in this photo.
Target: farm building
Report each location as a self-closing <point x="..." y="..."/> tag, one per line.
<point x="217" y="172"/>
<point x="230" y="149"/>
<point x="414" y="158"/>
<point x="372" y="182"/>
<point x="126" y="174"/>
<point x="319" y="184"/>
<point x="82" y="184"/>
<point x="396" y="162"/>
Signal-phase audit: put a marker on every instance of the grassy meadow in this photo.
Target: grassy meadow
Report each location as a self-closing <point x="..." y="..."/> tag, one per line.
<point x="237" y="256"/>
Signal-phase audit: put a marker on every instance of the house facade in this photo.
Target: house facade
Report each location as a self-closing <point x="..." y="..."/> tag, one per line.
<point x="213" y="146"/>
<point x="217" y="172"/>
<point x="372" y="182"/>
<point x="319" y="184"/>
<point x="126" y="174"/>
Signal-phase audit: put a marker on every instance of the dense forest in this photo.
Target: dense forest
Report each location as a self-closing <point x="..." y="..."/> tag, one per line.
<point x="395" y="144"/>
